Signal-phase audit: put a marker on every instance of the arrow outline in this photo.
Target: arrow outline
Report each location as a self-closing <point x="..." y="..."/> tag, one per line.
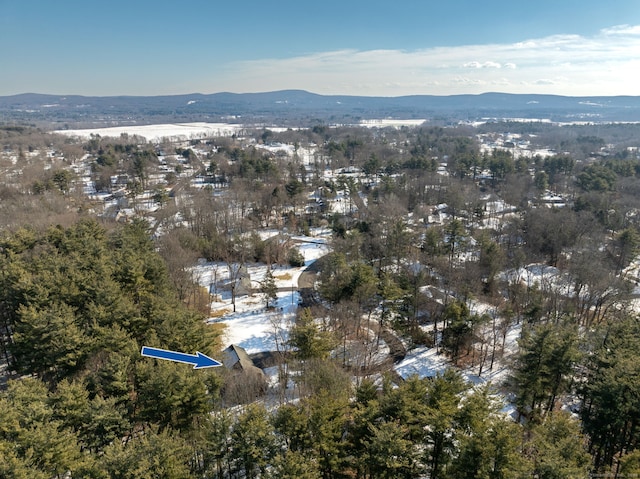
<point x="199" y="360"/>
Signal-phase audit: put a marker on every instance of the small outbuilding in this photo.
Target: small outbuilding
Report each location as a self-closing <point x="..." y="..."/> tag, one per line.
<point x="246" y="381"/>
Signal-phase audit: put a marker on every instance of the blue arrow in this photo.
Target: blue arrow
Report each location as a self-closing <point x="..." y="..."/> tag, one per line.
<point x="198" y="360"/>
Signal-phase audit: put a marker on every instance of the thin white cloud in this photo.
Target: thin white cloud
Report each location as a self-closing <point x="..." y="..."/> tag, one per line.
<point x="604" y="64"/>
<point x="488" y="64"/>
<point x="622" y="30"/>
<point x="544" y="81"/>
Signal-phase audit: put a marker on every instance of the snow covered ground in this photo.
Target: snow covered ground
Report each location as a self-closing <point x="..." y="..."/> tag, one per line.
<point x="198" y="130"/>
<point x="427" y="362"/>
<point x="390" y="122"/>
<point x="256" y="329"/>
<point x="252" y="326"/>
<point x="155" y="133"/>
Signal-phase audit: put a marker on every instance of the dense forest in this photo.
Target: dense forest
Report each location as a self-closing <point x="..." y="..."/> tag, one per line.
<point x="426" y="224"/>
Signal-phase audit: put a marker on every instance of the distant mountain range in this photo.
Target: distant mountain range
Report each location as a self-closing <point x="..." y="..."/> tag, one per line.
<point x="291" y="106"/>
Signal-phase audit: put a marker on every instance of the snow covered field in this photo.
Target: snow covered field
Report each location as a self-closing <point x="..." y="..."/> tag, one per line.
<point x="155" y="133"/>
<point x="199" y="130"/>
<point x="390" y="122"/>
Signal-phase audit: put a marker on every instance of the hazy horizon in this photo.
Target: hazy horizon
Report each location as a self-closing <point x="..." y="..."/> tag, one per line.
<point x="312" y="93"/>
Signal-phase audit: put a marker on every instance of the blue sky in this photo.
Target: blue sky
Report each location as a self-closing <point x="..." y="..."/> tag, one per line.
<point x="354" y="47"/>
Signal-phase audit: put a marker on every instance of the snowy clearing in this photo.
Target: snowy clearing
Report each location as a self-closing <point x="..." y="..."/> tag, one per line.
<point x="173" y="131"/>
<point x="252" y="326"/>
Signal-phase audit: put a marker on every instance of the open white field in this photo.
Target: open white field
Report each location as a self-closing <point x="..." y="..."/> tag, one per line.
<point x="155" y="133"/>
